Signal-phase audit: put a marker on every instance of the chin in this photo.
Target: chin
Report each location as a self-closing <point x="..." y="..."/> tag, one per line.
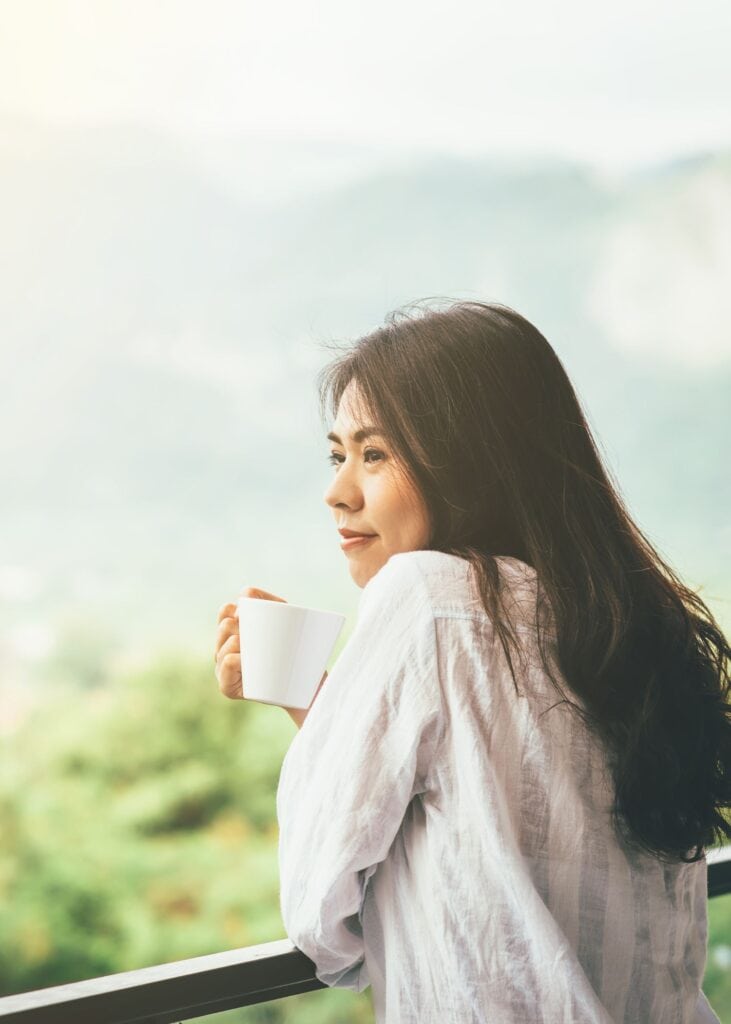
<point x="361" y="573"/>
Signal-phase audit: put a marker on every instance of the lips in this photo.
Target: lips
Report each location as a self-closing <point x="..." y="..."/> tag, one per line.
<point x="353" y="533"/>
<point x="360" y="540"/>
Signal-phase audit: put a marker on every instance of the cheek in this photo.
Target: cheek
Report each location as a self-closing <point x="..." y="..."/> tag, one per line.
<point x="409" y="514"/>
<point x="419" y="517"/>
<point x="424" y="528"/>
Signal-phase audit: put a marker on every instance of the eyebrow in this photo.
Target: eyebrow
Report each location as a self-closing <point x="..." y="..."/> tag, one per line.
<point x="359" y="435"/>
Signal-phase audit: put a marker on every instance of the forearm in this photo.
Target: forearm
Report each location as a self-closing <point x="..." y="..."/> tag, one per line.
<point x="298" y="715"/>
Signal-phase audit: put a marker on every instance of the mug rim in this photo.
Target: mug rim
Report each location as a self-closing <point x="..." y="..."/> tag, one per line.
<point x="287" y="604"/>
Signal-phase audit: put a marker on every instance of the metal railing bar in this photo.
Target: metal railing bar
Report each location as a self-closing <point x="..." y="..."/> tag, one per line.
<point x="719" y="870"/>
<point x="197" y="987"/>
<point x="167" y="993"/>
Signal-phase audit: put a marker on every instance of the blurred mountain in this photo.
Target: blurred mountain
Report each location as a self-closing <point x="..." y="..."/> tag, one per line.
<point x="163" y="308"/>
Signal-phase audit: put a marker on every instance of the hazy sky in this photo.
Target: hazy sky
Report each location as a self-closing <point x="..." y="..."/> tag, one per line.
<point x="618" y="83"/>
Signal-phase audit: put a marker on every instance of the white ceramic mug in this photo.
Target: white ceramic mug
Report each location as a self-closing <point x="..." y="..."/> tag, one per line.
<point x="284" y="650"/>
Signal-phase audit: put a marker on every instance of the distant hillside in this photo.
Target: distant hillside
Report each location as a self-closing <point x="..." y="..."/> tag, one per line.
<point x="158" y="433"/>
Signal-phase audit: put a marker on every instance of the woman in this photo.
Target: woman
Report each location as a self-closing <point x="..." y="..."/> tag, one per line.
<point x="498" y="803"/>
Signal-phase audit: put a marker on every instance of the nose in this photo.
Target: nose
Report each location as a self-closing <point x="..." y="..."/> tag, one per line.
<point x="343" y="490"/>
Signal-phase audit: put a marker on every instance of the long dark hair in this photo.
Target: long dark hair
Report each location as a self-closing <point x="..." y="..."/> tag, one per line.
<point x="480" y="412"/>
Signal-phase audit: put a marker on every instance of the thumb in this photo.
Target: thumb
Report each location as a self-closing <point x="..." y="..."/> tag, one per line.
<point x="264" y="595"/>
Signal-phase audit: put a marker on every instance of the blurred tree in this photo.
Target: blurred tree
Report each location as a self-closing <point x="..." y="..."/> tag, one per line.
<point x="138" y="826"/>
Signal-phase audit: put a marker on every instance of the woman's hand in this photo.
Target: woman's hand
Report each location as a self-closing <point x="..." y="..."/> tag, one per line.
<point x="227" y="654"/>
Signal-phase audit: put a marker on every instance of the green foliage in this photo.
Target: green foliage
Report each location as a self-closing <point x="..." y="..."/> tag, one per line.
<point x="81" y="654"/>
<point x="717" y="981"/>
<point x="138" y="826"/>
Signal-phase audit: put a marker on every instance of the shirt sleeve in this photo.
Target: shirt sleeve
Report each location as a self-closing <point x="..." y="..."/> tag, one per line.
<point x="361" y="755"/>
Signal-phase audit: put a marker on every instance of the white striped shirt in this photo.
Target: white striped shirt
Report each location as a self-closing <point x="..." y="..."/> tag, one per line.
<point x="445" y="842"/>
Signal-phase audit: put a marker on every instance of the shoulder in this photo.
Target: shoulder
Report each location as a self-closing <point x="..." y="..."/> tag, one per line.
<point x="395" y="612"/>
<point x="398" y="579"/>
<point x="433" y="580"/>
<point x="420" y="566"/>
<point x="445" y="585"/>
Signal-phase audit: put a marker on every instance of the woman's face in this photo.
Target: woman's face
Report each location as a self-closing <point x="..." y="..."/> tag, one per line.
<point x="371" y="494"/>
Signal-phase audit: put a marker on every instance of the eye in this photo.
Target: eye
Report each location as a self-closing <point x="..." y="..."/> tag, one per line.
<point x="336" y="459"/>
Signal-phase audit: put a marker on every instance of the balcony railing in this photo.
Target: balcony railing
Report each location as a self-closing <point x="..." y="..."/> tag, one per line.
<point x="169" y="993"/>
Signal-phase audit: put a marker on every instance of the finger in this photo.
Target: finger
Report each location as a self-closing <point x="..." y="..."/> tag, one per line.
<point x="228" y="621"/>
<point x="230" y="646"/>
<point x="263" y="594"/>
<point x="226" y="628"/>
<point x="230" y="686"/>
<point x="228" y="673"/>
<point x="228" y="658"/>
<point x="225" y="611"/>
<point x="229" y="609"/>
